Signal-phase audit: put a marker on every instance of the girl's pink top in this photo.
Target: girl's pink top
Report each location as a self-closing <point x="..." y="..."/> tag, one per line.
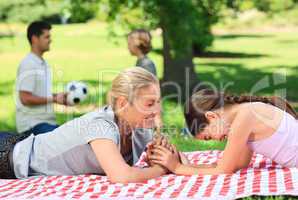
<point x="282" y="146"/>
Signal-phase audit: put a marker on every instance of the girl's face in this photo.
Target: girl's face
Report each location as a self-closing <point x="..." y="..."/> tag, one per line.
<point x="146" y="105"/>
<point x="217" y="129"/>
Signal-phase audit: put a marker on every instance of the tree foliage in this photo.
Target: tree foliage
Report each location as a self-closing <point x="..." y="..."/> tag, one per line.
<point x="28" y="10"/>
<point x="186" y="21"/>
<point x="82" y="10"/>
<point x="51" y="10"/>
<point x="268" y="6"/>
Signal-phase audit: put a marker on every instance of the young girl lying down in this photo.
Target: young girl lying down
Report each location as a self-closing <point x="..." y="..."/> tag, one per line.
<point x="267" y="126"/>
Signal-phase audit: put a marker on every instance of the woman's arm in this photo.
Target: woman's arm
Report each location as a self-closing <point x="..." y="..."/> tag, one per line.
<point x="115" y="167"/>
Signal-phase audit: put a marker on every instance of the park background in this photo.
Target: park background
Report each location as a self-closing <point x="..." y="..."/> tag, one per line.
<point x="250" y="46"/>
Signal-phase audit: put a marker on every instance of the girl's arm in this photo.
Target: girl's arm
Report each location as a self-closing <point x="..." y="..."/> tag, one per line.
<point x="184" y="160"/>
<point x="242" y="162"/>
<point x="115" y="167"/>
<point x="236" y="154"/>
<point x="166" y="158"/>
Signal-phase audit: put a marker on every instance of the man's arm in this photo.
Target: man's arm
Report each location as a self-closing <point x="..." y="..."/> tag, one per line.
<point x="28" y="99"/>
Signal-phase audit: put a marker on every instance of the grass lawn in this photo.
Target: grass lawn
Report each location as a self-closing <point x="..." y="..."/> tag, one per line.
<point x="241" y="63"/>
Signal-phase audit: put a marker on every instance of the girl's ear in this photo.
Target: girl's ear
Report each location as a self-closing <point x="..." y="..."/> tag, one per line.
<point x="211" y="115"/>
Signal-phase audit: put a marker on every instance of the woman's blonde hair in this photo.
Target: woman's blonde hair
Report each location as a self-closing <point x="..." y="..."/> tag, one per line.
<point x="128" y="82"/>
<point x="142" y="39"/>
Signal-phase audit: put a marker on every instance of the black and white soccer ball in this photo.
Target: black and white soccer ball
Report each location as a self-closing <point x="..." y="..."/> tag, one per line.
<point x="77" y="92"/>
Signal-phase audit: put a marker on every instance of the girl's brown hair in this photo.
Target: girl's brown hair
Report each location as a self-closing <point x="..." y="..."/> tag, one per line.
<point x="142" y="39"/>
<point x="208" y="100"/>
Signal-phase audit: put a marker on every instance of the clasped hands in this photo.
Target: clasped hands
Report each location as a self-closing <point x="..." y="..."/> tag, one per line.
<point x="161" y="152"/>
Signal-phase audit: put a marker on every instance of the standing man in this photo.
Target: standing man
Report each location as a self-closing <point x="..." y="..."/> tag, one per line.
<point x="34" y="106"/>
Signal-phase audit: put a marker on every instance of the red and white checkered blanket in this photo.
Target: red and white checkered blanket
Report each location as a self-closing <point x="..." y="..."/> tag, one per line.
<point x="262" y="177"/>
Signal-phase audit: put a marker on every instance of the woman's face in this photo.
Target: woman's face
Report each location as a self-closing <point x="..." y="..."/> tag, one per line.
<point x="146" y="105"/>
<point x="217" y="129"/>
<point x="133" y="49"/>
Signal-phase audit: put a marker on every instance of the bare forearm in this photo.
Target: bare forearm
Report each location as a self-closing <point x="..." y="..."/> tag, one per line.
<point x="28" y="99"/>
<point x="203" y="165"/>
<point x="142" y="174"/>
<point x="35" y="100"/>
<point x="199" y="169"/>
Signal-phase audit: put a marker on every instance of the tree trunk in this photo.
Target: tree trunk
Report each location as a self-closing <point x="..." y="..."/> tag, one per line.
<point x="179" y="80"/>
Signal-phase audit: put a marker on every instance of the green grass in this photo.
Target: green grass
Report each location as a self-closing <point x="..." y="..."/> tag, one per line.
<point x="84" y="51"/>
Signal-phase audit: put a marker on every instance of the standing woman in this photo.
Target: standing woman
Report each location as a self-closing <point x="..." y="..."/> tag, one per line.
<point x="106" y="141"/>
<point x="139" y="45"/>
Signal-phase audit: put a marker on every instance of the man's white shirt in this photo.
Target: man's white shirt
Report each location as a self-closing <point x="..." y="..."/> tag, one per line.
<point x="34" y="75"/>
